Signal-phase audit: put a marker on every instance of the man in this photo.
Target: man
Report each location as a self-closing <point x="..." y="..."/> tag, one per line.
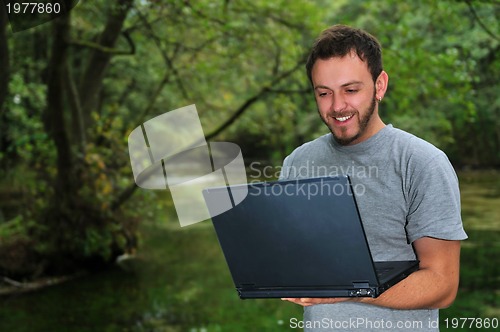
<point x="410" y="202"/>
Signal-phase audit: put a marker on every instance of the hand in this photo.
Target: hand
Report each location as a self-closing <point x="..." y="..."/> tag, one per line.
<point x="312" y="301"/>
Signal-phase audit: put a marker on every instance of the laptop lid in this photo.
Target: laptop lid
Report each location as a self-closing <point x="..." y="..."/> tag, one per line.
<point x="297" y="235"/>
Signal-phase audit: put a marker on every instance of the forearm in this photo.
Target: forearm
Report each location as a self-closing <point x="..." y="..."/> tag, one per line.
<point x="433" y="286"/>
<point x="423" y="289"/>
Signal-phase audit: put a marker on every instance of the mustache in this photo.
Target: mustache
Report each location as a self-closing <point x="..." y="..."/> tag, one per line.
<point x="342" y="114"/>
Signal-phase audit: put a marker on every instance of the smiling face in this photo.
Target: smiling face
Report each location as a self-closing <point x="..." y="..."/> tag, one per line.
<point x="346" y="97"/>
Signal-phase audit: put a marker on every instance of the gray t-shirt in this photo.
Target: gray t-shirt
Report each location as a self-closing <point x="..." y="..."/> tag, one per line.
<point x="406" y="189"/>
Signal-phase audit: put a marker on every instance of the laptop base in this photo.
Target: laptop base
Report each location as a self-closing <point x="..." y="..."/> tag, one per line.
<point x="390" y="273"/>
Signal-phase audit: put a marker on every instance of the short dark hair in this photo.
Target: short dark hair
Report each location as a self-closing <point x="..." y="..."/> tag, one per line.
<point x="339" y="41"/>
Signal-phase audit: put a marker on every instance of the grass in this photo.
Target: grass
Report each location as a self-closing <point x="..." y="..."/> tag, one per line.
<point x="203" y="296"/>
<point x="479" y="293"/>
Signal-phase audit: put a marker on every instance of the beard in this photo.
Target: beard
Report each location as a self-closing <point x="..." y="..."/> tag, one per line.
<point x="363" y="123"/>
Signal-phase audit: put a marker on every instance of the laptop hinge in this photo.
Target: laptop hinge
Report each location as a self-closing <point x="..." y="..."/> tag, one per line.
<point x="360" y="284"/>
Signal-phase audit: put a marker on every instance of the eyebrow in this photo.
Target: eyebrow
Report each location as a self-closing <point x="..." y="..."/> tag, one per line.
<point x="342" y="86"/>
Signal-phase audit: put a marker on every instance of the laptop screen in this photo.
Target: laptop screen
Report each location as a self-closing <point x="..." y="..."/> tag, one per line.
<point x="296" y="233"/>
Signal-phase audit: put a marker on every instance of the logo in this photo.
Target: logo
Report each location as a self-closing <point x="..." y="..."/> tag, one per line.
<point x="25" y="15"/>
<point x="170" y="151"/>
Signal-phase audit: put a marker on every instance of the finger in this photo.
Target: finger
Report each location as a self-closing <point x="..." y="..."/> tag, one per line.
<point x="294" y="300"/>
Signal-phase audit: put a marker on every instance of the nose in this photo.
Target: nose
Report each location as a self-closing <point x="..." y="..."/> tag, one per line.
<point x="338" y="103"/>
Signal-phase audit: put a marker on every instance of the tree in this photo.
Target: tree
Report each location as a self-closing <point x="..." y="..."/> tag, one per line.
<point x="103" y="76"/>
<point x="4" y="82"/>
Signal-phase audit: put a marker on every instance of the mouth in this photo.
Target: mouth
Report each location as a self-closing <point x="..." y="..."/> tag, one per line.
<point x="343" y="118"/>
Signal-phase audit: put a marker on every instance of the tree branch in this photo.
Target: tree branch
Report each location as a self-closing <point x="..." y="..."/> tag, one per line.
<point x="123" y="196"/>
<point x="200" y="14"/>
<point x="478" y="20"/>
<point x="154" y="97"/>
<point x="104" y="49"/>
<point x="249" y="102"/>
<point x="129" y="191"/>
<point x="77" y="113"/>
<point x="166" y="58"/>
<point x="300" y="91"/>
<point x="99" y="60"/>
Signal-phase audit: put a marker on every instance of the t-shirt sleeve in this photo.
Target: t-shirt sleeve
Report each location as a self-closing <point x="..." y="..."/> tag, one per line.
<point x="434" y="202"/>
<point x="285" y="168"/>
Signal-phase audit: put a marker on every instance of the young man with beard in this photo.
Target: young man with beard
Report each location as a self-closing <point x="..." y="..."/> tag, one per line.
<point x="410" y="206"/>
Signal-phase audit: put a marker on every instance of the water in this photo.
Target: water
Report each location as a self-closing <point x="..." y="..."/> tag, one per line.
<point x="180" y="282"/>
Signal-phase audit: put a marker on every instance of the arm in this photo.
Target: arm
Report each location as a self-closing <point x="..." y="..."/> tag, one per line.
<point x="434" y="285"/>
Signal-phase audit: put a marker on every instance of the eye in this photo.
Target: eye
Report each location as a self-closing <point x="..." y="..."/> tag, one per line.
<point x="351" y="91"/>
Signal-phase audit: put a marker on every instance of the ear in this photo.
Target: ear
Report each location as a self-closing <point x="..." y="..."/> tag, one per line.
<point x="381" y="85"/>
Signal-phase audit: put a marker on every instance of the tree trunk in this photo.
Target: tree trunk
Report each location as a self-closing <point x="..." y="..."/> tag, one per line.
<point x="4" y="82"/>
<point x="99" y="60"/>
<point x="65" y="185"/>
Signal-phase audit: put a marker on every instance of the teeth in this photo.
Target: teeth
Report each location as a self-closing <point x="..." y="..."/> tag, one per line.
<point x="344" y="118"/>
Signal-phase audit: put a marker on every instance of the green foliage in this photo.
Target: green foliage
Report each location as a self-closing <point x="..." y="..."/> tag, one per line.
<point x="12" y="229"/>
<point x="433" y="54"/>
<point x="30" y="141"/>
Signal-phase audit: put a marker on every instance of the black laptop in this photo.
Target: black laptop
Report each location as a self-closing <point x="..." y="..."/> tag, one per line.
<point x="299" y="238"/>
